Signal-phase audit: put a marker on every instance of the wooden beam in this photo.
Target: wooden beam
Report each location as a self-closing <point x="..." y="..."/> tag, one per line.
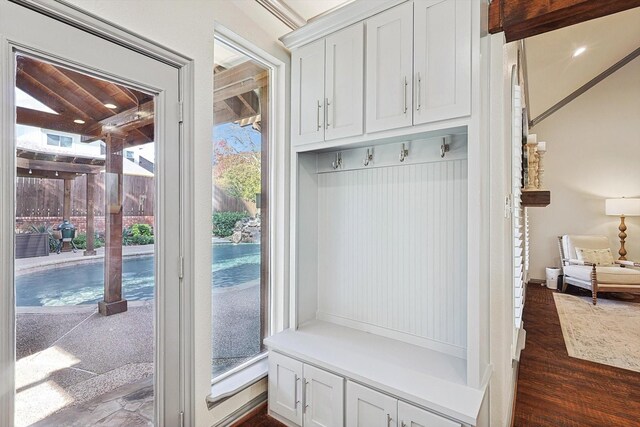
<point x="244" y="71"/>
<point x="585" y="87"/>
<point x="124" y="122"/>
<point x="46" y="165"/>
<point x="37" y="90"/>
<point x="240" y="87"/>
<point x="24" y="173"/>
<point x="90" y="200"/>
<point x="62" y="123"/>
<point x="495" y="16"/>
<point x="527" y="18"/>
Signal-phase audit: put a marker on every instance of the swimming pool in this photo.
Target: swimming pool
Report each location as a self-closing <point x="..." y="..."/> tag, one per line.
<point x="83" y="284"/>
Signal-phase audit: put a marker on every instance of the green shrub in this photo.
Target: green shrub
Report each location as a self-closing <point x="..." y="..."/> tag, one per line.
<point x="137" y="234"/>
<point x="81" y="241"/>
<point x="224" y="222"/>
<point x="141" y="230"/>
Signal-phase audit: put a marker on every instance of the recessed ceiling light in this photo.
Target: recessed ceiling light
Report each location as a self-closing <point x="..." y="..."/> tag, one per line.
<point x="79" y="121"/>
<point x="112" y="106"/>
<point x="579" y="51"/>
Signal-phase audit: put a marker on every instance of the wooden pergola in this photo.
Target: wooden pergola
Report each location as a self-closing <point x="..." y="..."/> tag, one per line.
<point x="97" y="110"/>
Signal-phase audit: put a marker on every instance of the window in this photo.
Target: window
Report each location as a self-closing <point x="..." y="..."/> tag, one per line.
<point x="59" y="140"/>
<point x="240" y="237"/>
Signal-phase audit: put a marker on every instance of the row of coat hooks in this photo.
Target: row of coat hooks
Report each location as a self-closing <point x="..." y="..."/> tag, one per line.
<point x="404" y="153"/>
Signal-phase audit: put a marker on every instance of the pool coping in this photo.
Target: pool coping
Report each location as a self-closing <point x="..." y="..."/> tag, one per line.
<point x="67" y="262"/>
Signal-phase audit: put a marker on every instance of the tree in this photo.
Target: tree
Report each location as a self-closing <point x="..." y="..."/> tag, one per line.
<point x="237" y="163"/>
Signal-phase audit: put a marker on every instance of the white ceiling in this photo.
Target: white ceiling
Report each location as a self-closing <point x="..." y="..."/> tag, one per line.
<point x="552" y="71"/>
<point x="310" y="8"/>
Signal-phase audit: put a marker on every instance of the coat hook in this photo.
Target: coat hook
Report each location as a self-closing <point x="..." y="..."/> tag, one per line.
<point x="368" y="157"/>
<point x="444" y="147"/>
<point x="337" y="163"/>
<point x="404" y="152"/>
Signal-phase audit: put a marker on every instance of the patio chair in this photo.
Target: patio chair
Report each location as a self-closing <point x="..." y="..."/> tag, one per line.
<point x="603" y="275"/>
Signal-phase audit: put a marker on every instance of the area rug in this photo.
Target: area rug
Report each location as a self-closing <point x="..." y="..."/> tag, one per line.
<point x="608" y="333"/>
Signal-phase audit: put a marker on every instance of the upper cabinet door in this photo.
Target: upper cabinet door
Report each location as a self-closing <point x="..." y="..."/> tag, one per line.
<point x="307" y="93"/>
<point x="345" y="83"/>
<point x="410" y="416"/>
<point x="324" y="398"/>
<point x="368" y="408"/>
<point x="442" y="61"/>
<point x="389" y="60"/>
<point x="285" y="387"/>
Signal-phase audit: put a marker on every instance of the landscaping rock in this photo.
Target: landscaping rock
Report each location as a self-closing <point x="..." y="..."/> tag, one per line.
<point x="246" y="231"/>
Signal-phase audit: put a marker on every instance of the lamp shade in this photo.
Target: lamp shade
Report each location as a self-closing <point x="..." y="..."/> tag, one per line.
<point x="622" y="207"/>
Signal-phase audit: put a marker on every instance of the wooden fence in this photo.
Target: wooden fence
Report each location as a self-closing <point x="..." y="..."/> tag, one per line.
<point x="43" y="198"/>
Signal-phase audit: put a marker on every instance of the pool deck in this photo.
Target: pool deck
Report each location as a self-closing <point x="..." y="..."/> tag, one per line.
<point x="30" y="265"/>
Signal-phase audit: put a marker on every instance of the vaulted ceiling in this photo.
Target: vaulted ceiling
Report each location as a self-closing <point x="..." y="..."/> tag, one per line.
<point x="553" y="71"/>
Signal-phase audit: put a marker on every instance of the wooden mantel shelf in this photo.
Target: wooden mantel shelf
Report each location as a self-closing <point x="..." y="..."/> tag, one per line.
<point x="536" y="198"/>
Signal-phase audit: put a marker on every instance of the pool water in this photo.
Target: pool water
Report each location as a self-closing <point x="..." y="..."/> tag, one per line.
<point x="84" y="284"/>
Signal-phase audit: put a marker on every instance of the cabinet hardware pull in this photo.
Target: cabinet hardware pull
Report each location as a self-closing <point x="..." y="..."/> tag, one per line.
<point x="297" y="400"/>
<point x="419" y="92"/>
<point x="326" y="113"/>
<point x="318" y="115"/>
<point x="403" y="424"/>
<point x="405" y="94"/>
<point x="389" y="419"/>
<point x="304" y="397"/>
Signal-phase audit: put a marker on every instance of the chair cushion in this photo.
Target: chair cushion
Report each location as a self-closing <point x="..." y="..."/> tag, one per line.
<point x="615" y="274"/>
<point x="596" y="256"/>
<point x="571" y="241"/>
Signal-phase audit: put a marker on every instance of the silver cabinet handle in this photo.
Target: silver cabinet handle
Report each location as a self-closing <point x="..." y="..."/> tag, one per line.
<point x="326" y="113"/>
<point x="318" y="115"/>
<point x="296" y="386"/>
<point x="405" y="94"/>
<point x="419" y="95"/>
<point x="306" y="402"/>
<point x="403" y="424"/>
<point x="388" y="419"/>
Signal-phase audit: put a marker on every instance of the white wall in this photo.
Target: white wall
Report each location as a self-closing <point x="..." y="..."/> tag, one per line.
<point x="187" y="26"/>
<point x="593" y="153"/>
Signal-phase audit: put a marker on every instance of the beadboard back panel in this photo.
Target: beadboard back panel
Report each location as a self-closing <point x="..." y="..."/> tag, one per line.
<point x="392" y="252"/>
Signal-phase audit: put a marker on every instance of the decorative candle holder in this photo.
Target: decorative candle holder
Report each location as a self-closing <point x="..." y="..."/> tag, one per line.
<point x="541" y="151"/>
<point x="532" y="166"/>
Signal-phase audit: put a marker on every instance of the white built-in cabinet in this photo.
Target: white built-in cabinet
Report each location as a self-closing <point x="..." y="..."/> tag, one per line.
<point x="441" y="60"/>
<point x="303" y="394"/>
<point x="370" y="408"/>
<point x="389" y="69"/>
<point x="388" y="300"/>
<point x="327" y="87"/>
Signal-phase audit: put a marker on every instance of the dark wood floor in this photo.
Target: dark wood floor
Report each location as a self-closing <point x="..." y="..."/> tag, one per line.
<point x="557" y="390"/>
<point x="554" y="390"/>
<point x="259" y="418"/>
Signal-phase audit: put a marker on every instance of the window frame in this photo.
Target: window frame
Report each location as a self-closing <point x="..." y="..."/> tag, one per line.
<point x="274" y="239"/>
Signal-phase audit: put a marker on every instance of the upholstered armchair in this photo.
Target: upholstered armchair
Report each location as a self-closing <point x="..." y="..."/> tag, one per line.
<point x="587" y="263"/>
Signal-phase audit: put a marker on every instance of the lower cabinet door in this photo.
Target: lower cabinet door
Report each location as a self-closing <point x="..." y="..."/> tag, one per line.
<point x="323" y="398"/>
<point x="410" y="416"/>
<point x="368" y="408"/>
<point x="285" y="387"/>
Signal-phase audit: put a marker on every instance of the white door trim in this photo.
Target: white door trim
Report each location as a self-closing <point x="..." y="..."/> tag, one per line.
<point x="75" y="17"/>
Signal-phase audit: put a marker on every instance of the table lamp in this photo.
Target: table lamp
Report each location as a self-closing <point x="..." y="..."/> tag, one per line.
<point x="622" y="207"/>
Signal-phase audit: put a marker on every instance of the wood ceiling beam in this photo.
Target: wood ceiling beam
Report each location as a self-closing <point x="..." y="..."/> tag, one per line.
<point x="240" y="88"/>
<point x="47" y="165"/>
<point x="520" y="19"/>
<point x="57" y="82"/>
<point x="24" y="173"/>
<point x="124" y="122"/>
<point x="236" y="74"/>
<point x="45" y="95"/>
<point x="58" y="122"/>
<point x="102" y="92"/>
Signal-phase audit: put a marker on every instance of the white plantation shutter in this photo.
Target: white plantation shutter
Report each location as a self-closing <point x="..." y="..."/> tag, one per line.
<point x="519" y="214"/>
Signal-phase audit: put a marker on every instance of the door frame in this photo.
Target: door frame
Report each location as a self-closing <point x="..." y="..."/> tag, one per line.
<point x="110" y="32"/>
